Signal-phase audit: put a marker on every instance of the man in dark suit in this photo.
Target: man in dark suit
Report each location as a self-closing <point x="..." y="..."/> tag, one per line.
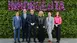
<point x="32" y="25"/>
<point x="24" y="25"/>
<point x="16" y="26"/>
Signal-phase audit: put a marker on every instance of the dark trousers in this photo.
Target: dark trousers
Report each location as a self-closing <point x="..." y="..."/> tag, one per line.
<point x="58" y="32"/>
<point x="32" y="30"/>
<point x="24" y="32"/>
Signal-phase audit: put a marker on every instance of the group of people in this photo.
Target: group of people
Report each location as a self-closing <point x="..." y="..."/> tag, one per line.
<point x="33" y="25"/>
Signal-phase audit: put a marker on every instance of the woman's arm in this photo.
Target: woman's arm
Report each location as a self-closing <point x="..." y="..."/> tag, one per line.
<point x="60" y="20"/>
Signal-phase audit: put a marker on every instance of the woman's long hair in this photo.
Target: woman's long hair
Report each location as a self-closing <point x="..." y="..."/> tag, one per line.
<point x="58" y="15"/>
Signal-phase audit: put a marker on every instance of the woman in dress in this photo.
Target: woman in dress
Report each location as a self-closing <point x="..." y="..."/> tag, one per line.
<point x="41" y="27"/>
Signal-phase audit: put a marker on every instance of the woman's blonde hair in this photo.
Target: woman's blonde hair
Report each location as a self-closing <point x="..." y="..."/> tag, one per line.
<point x="41" y="13"/>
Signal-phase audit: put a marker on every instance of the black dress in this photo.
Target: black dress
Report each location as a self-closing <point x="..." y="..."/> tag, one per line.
<point x="41" y="30"/>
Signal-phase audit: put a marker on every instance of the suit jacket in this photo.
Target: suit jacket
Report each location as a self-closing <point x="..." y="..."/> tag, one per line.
<point x="32" y="19"/>
<point x="50" y="22"/>
<point x="24" y="21"/>
<point x="17" y="22"/>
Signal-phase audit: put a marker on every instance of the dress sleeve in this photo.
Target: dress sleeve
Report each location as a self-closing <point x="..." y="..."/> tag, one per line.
<point x="60" y="20"/>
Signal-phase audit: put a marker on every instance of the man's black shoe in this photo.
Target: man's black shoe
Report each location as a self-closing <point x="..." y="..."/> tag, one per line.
<point x="15" y="42"/>
<point x="35" y="41"/>
<point x="19" y="41"/>
<point x="57" y="42"/>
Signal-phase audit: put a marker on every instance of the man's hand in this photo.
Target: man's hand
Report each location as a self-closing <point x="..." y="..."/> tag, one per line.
<point x="56" y="25"/>
<point x="43" y="26"/>
<point x="20" y="27"/>
<point x="13" y="27"/>
<point x="32" y="24"/>
<point x="37" y="27"/>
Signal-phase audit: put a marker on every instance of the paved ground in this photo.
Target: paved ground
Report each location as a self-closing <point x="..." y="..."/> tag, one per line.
<point x="63" y="40"/>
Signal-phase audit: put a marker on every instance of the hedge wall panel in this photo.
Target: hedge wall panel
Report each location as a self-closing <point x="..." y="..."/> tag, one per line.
<point x="69" y="16"/>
